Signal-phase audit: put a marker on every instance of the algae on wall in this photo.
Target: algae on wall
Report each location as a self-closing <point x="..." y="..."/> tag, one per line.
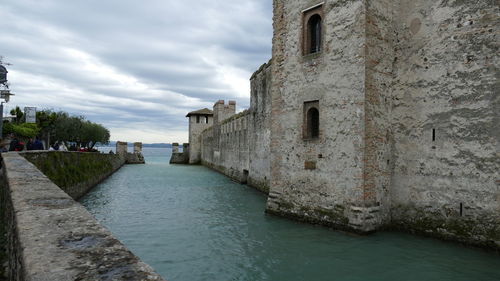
<point x="75" y="172"/>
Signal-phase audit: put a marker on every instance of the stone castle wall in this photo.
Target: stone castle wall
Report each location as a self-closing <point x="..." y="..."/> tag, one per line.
<point x="322" y="179"/>
<point x="259" y="129"/>
<point x="379" y="53"/>
<point x="231" y="157"/>
<point x="446" y="85"/>
<point x="237" y="145"/>
<point x="407" y="93"/>
<point x="408" y="119"/>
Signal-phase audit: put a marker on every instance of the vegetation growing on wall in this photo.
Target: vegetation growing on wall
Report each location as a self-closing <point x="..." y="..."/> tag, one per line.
<point x="69" y="169"/>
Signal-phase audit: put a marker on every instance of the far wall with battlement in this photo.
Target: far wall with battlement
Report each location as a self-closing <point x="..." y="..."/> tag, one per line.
<point x="235" y="144"/>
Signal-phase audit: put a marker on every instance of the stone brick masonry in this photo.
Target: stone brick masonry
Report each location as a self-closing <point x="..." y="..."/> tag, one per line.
<point x="407" y="94"/>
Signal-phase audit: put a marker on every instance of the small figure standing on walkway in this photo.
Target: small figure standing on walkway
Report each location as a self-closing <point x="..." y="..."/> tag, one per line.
<point x="37" y="145"/>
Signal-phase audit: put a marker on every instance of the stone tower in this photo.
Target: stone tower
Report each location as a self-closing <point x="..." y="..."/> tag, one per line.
<point x="199" y="120"/>
<point x="222" y="111"/>
<point x="383" y="113"/>
<point x="325" y="160"/>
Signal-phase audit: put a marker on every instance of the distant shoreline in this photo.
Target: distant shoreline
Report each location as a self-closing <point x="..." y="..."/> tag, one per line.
<point x="154" y="145"/>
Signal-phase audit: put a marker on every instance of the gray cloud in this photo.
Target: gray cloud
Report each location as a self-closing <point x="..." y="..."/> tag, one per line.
<point x="136" y="67"/>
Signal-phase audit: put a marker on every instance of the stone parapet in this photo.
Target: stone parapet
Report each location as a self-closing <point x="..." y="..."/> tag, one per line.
<point x="52" y="237"/>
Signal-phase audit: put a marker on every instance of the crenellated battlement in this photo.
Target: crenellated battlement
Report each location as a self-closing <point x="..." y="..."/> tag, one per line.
<point x="236" y="144"/>
<point x="223" y="111"/>
<point x="180" y="157"/>
<point x="135" y="157"/>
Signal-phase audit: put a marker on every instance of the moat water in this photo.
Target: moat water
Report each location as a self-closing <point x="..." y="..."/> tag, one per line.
<point x="190" y="223"/>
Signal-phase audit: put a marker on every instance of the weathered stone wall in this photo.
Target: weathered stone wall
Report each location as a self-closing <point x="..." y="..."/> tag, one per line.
<point x="407" y="95"/>
<point x="322" y="179"/>
<point x="259" y="129"/>
<point x="221" y="112"/>
<point x="136" y="156"/>
<point x="3" y="232"/>
<point x="52" y="237"/>
<point x="180" y="157"/>
<point x="379" y="52"/>
<point x="75" y="172"/>
<point x="137" y="147"/>
<point x="231" y="158"/>
<point x="207" y="146"/>
<point x="121" y="148"/>
<point x="446" y="81"/>
<point x="237" y="145"/>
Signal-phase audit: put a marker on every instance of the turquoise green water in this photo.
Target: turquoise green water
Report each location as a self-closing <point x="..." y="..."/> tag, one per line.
<point x="191" y="223"/>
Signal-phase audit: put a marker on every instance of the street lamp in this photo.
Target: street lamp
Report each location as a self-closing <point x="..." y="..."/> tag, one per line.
<point x="4" y="93"/>
<point x="3" y="75"/>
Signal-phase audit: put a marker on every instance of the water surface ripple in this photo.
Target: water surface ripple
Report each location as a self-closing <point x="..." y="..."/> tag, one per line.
<point x="191" y="223"/>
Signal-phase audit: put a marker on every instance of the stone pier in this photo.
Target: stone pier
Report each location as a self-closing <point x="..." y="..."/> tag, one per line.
<point x="180" y="157"/>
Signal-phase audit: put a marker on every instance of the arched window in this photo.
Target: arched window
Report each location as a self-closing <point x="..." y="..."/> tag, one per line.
<point x="312" y="29"/>
<point x="314" y="34"/>
<point x="313" y="123"/>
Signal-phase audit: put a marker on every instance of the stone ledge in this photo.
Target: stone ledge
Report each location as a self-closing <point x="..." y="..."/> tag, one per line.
<point x="52" y="237"/>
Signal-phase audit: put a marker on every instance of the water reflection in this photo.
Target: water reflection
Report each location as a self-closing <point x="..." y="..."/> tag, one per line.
<point x="191" y="223"/>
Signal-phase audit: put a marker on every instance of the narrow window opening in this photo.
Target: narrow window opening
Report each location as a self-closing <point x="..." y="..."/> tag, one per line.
<point x="461" y="209"/>
<point x="197" y="118"/>
<point x="313" y="123"/>
<point x="314" y="27"/>
<point x="206" y="119"/>
<point x="433" y="134"/>
<point x="310" y="125"/>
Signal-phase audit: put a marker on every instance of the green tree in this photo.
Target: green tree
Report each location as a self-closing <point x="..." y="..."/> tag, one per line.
<point x="68" y="128"/>
<point x="92" y="133"/>
<point x="59" y="126"/>
<point x="46" y="121"/>
<point x="24" y="130"/>
<point x="18" y="113"/>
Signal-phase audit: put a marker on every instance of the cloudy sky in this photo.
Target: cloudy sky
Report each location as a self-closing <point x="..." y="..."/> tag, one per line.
<point x="137" y="67"/>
